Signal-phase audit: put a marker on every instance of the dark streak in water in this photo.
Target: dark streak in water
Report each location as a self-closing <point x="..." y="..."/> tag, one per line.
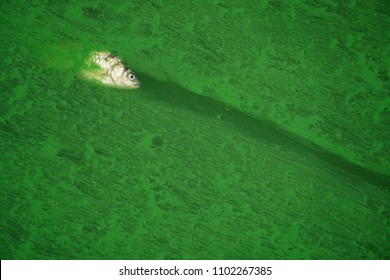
<point x="262" y="130"/>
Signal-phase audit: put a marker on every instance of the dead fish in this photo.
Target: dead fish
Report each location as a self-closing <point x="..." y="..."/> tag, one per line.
<point x="109" y="69"/>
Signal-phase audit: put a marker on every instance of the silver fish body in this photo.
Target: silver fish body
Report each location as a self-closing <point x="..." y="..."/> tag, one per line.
<point x="110" y="70"/>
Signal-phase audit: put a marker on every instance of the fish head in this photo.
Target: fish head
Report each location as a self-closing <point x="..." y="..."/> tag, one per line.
<point x="130" y="80"/>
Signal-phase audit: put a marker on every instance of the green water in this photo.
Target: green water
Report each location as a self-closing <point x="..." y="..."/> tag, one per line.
<point x="261" y="131"/>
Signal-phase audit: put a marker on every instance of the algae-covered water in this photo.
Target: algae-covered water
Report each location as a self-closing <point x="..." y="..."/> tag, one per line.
<point x="261" y="131"/>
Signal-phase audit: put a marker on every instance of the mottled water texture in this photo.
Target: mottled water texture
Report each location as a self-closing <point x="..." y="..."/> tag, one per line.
<point x="261" y="131"/>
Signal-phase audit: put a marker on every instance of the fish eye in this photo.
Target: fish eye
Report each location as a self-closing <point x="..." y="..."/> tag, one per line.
<point x="131" y="76"/>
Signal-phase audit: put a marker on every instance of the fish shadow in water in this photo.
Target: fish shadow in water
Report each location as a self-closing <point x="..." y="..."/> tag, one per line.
<point x="264" y="131"/>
